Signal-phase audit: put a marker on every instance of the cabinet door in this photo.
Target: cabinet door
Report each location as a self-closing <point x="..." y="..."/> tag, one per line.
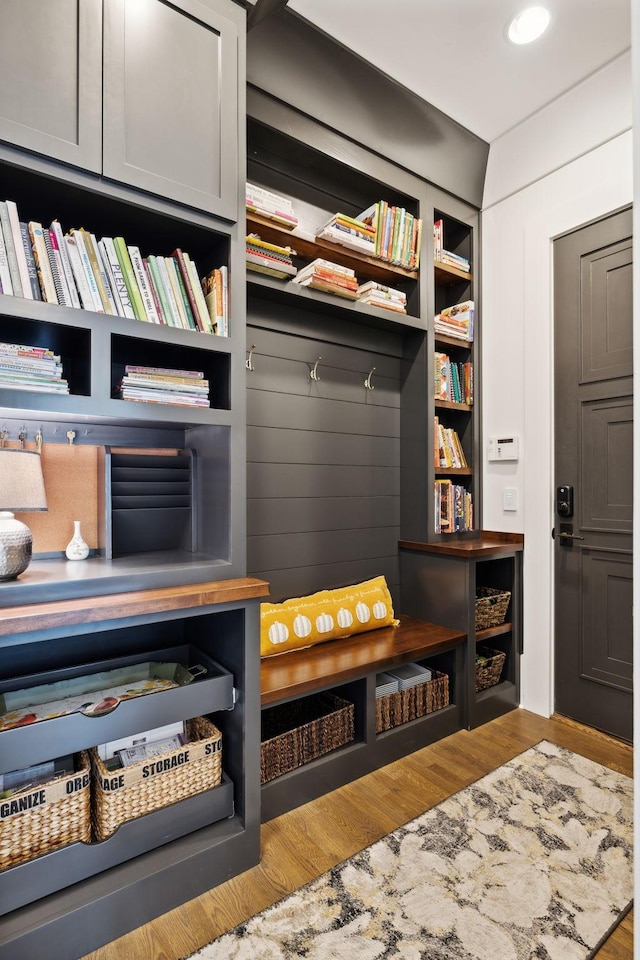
<point x="51" y="78"/>
<point x="170" y="101"/>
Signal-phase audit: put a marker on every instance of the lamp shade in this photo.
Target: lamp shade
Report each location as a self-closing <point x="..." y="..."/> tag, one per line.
<point x="21" y="481"/>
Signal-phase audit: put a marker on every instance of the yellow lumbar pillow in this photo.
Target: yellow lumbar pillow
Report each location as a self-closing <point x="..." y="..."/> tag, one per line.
<point x="326" y="615"/>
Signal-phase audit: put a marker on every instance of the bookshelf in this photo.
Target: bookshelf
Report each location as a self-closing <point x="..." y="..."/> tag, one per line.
<point x="154" y="581"/>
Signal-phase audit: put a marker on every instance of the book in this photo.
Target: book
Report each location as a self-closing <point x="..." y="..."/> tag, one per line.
<point x="55" y="272"/>
<point x="269" y="266"/>
<point x="143" y="284"/>
<point x="191" y="320"/>
<point x="154" y="293"/>
<point x="12" y="261"/>
<point x="23" y="270"/>
<point x="5" y="273"/>
<point x="88" y="271"/>
<point x="111" y="281"/>
<point x="41" y="259"/>
<point x="31" y="265"/>
<point x="163" y="273"/>
<point x="119" y="287"/>
<point x="97" y="267"/>
<point x="178" y="256"/>
<point x="172" y="273"/>
<point x="197" y="290"/>
<point x="55" y="230"/>
<point x="158" y="287"/>
<point x="79" y="275"/>
<point x="129" y="278"/>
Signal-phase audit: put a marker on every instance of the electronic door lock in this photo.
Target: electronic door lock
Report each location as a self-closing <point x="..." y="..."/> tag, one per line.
<point x="564" y="501"/>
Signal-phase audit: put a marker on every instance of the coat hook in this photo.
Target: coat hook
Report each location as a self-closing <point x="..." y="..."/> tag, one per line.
<point x="4" y="435"/>
<point x="22" y="436"/>
<point x="367" y="382"/>
<point x="38" y="439"/>
<point x="249" y="361"/>
<point x="314" y="372"/>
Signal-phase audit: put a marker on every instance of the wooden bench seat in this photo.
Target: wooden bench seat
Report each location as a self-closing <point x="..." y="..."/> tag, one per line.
<point x="300" y="672"/>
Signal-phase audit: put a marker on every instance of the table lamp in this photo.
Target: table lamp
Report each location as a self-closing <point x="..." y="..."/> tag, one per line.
<point x="21" y="490"/>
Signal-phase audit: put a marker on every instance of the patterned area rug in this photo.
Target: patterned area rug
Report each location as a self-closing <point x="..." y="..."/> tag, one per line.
<point x="532" y="861"/>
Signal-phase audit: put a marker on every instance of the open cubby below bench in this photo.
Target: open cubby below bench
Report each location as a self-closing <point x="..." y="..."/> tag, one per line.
<point x="347" y="668"/>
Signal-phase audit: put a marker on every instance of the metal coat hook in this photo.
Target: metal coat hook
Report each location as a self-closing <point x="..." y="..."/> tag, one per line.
<point x="367" y="382"/>
<point x="314" y="372"/>
<point x="249" y="361"/>
<point x="38" y="438"/>
<point x="22" y="436"/>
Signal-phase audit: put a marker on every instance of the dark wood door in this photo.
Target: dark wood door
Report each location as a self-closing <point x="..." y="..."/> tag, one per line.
<point x="593" y="455"/>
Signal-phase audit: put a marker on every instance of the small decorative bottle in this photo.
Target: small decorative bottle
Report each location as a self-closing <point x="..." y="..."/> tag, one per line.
<point x="77" y="548"/>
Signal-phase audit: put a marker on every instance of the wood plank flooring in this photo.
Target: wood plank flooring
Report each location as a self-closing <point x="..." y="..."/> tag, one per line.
<point x="303" y="843"/>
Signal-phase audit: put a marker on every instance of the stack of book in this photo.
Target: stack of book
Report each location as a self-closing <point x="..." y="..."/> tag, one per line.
<point x="449" y="452"/>
<point x="349" y="232"/>
<point x="75" y="269"/>
<point x="453" y="380"/>
<point x="456" y="321"/>
<point x="160" y="385"/>
<point x="378" y="295"/>
<point x="453" y="507"/>
<point x="215" y="287"/>
<point x="441" y="255"/>
<point x="329" y="277"/>
<point x="386" y="684"/>
<point x="269" y="258"/>
<point x="397" y="234"/>
<point x="271" y="206"/>
<point x="410" y="675"/>
<point x="31" y="368"/>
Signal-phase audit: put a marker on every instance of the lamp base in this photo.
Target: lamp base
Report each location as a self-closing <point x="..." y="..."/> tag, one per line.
<point x="16" y="545"/>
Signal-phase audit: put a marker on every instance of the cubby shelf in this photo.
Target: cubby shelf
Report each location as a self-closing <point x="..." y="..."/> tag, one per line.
<point x="452" y="405"/>
<point x="447" y="276"/>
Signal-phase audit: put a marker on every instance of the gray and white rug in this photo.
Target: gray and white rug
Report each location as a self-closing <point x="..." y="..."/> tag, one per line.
<point x="532" y="861"/>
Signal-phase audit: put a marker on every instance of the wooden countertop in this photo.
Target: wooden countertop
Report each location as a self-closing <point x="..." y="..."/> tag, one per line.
<point x="487" y="543"/>
<point x="116" y="606"/>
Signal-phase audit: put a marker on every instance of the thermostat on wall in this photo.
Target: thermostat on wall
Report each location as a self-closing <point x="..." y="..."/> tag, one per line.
<point x="504" y="448"/>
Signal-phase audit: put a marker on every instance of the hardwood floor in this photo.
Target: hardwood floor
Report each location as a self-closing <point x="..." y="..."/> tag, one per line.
<point x="303" y="843"/>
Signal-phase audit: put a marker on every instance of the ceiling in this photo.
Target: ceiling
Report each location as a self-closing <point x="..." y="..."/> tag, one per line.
<point x="454" y="53"/>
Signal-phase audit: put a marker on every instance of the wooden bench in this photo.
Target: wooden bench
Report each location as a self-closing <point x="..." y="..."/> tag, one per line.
<point x="348" y="667"/>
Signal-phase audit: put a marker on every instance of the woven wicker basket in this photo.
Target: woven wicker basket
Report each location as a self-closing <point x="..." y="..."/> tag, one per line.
<point x="489" y="670"/>
<point x="300" y="731"/>
<point x="491" y="607"/>
<point x="131" y="792"/>
<point x="51" y="815"/>
<point x="395" y="708"/>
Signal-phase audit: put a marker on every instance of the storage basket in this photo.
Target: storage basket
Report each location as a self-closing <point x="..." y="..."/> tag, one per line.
<point x="295" y="733"/>
<point x="392" y="709"/>
<point x="491" y="607"/>
<point x="489" y="669"/>
<point x="130" y="792"/>
<point x="42" y="818"/>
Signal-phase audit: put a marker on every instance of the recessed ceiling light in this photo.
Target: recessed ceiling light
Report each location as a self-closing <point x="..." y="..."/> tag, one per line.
<point x="529" y="25"/>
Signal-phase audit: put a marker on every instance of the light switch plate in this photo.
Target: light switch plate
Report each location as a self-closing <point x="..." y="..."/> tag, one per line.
<point x="510" y="499"/>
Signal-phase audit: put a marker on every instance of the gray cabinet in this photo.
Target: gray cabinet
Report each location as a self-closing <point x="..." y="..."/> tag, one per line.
<point x="51" y="78"/>
<point x="146" y="94"/>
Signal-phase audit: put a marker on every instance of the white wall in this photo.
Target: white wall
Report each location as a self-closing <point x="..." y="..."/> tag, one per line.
<point x="517" y="322"/>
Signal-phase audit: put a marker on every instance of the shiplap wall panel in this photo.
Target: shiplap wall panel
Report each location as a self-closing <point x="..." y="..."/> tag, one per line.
<point x="323" y="458"/>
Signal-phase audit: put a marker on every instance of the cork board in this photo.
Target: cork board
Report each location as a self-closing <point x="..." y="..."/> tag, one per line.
<point x="71" y="484"/>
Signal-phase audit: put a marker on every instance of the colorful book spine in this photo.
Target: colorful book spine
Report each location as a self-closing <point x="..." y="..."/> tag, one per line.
<point x="41" y="258"/>
<point x="56" y="231"/>
<point x="186" y="286"/>
<point x="14" y="223"/>
<point x="79" y="275"/>
<point x="197" y="291"/>
<point x="53" y="263"/>
<point x="117" y="273"/>
<point x="143" y="284"/>
<point x="155" y="293"/>
<point x="161" y="267"/>
<point x="11" y="250"/>
<point x="129" y="278"/>
<point x="31" y="264"/>
<point x="172" y="271"/>
<point x="89" y="274"/>
<point x="111" y="282"/>
<point x="97" y="268"/>
<point x="5" y="273"/>
<point x="160" y="292"/>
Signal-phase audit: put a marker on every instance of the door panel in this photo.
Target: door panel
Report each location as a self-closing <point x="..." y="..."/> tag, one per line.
<point x="593" y="454"/>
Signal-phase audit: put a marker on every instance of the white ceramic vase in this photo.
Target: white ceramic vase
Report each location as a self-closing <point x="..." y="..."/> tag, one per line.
<point x="77" y="548"/>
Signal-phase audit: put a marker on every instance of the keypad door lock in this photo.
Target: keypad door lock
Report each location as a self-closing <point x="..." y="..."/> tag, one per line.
<point x="564" y="501"/>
